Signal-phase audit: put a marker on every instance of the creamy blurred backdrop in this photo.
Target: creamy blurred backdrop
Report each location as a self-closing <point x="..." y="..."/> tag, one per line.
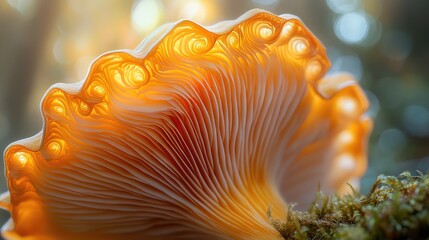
<point x="383" y="43"/>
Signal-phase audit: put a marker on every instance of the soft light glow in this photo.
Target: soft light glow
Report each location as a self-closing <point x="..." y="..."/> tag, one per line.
<point x="346" y="162"/>
<point x="194" y="9"/>
<point x="59" y="109"/>
<point x="22" y="158"/>
<point x="146" y="15"/>
<point x="25" y="7"/>
<point x="352" y="27"/>
<point x="342" y="6"/>
<point x="81" y="66"/>
<point x="346" y="137"/>
<point x="299" y="46"/>
<point x="348" y="106"/>
<point x="204" y="12"/>
<point x="58" y="51"/>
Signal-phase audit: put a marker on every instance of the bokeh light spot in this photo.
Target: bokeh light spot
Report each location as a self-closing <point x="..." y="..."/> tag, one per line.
<point x="146" y="15"/>
<point x="342" y="6"/>
<point x="352" y="27"/>
<point x="194" y="10"/>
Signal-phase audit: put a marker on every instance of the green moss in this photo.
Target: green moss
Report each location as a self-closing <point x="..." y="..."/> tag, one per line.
<point x="395" y="208"/>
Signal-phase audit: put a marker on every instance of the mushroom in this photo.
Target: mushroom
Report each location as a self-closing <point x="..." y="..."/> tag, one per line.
<point x="196" y="134"/>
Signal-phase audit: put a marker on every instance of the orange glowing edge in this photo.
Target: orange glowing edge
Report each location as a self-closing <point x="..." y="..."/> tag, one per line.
<point x="195" y="134"/>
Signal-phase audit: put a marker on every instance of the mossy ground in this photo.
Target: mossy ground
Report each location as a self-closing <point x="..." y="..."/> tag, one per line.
<point x="395" y="208"/>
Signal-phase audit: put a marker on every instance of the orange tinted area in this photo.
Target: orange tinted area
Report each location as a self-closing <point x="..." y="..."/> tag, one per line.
<point x="194" y="135"/>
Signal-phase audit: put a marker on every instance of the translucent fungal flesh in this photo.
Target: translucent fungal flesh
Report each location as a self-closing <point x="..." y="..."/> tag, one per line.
<point x="196" y="134"/>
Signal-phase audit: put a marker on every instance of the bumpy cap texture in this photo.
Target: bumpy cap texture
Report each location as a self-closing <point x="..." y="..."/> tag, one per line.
<point x="196" y="134"/>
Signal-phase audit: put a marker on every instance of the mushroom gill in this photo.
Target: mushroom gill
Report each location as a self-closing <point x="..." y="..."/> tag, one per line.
<point x="193" y="135"/>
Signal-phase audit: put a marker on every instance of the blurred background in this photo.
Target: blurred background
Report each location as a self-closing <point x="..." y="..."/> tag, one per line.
<point x="383" y="43"/>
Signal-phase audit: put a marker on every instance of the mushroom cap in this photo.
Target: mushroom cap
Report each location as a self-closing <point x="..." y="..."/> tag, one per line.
<point x="195" y="134"/>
